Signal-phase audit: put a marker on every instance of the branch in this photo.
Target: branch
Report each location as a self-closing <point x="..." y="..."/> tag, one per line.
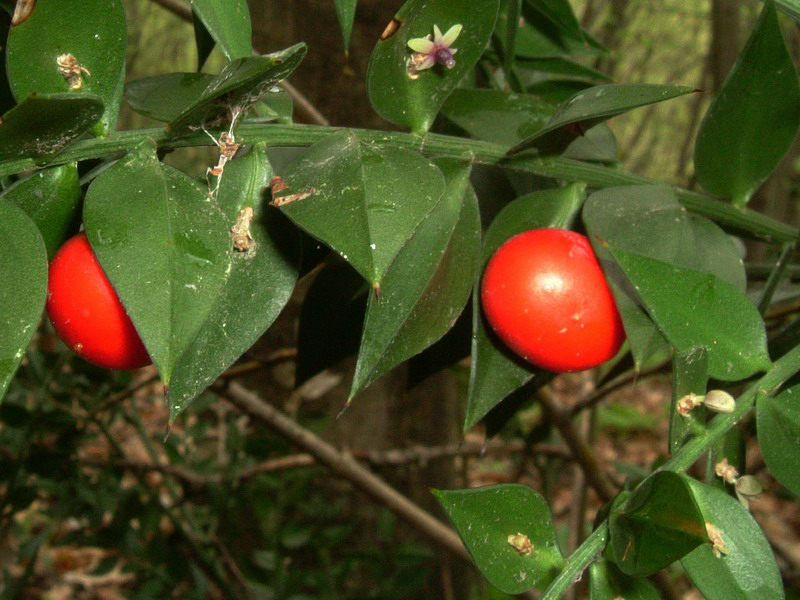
<point x="561" y="418"/>
<point x="346" y="467"/>
<point x="275" y="134"/>
<point x="306" y="111"/>
<point x="782" y="370"/>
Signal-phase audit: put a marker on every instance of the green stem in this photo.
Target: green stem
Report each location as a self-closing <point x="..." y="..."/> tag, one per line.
<point x="596" y="176"/>
<point x="781" y="370"/>
<point x="578" y="562"/>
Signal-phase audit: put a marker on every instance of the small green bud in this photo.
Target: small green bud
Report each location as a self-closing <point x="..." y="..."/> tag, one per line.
<point x="719" y="401"/>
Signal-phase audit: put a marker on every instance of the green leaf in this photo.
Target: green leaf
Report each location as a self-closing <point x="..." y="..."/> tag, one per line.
<point x="563" y="67"/>
<point x="52" y="199"/>
<point x="413" y="103"/>
<point x="257" y="283"/>
<point x="92" y="31"/>
<point x="21" y="298"/>
<point x="331" y="319"/>
<point x="778" y="423"/>
<point x="790" y="7"/>
<point x="753" y="119"/>
<point x="513" y="12"/>
<point x="203" y="41"/>
<point x="164" y="97"/>
<point x="228" y="22"/>
<point x="607" y="582"/>
<point x="496" y="116"/>
<point x="659" y="523"/>
<point x="689" y="376"/>
<point x="692" y="308"/>
<point x="748" y="570"/>
<point x="427" y="283"/>
<point x="240" y="84"/>
<point x="366" y="201"/>
<point x="649" y="220"/>
<point x="45" y="125"/>
<point x="164" y="245"/>
<point x="594" y="105"/>
<point x="6" y="96"/>
<point x="346" y="11"/>
<point x="560" y="14"/>
<point x="487" y="517"/>
<point x="495" y="370"/>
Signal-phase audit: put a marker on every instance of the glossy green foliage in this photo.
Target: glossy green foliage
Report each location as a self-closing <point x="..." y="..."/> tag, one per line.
<point x="427" y="283"/>
<point x="790" y="7"/>
<point x="52" y="199"/>
<point x="495" y="370"/>
<point x="240" y="85"/>
<point x="692" y="308"/>
<point x="258" y="281"/>
<point x="164" y="97"/>
<point x="331" y="319"/>
<point x="203" y="41"/>
<point x="779" y="435"/>
<point x="363" y="201"/>
<point x="92" y="31"/>
<point x="509" y="533"/>
<point x="659" y="523"/>
<point x="44" y="125"/>
<point x="507" y="119"/>
<point x="607" y="582"/>
<point x="164" y="245"/>
<point x="589" y="107"/>
<point x="6" y="95"/>
<point x="754" y="117"/>
<point x="496" y="116"/>
<point x="550" y="31"/>
<point x="21" y="298"/>
<point x="689" y="376"/>
<point x="228" y="22"/>
<point x="744" y="569"/>
<point x="346" y="11"/>
<point x="648" y="219"/>
<point x="414" y="102"/>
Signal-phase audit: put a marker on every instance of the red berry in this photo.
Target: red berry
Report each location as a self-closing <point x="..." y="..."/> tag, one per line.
<point x="86" y="312"/>
<point x="545" y="295"/>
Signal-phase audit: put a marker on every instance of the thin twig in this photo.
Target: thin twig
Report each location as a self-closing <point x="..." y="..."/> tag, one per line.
<point x="346" y="467"/>
<point x="306" y="111"/>
<point x="561" y="418"/>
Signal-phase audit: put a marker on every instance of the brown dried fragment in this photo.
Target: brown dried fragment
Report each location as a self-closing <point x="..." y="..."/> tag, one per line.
<point x="278" y="185"/>
<point x="688" y="403"/>
<point x="718" y="545"/>
<point x="521" y="543"/>
<point x="240" y="230"/>
<point x="71" y="70"/>
<point x="727" y="471"/>
<point x="22" y="11"/>
<point x="391" y="29"/>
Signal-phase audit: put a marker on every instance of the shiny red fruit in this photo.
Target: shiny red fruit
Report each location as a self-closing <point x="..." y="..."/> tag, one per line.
<point x="86" y="312"/>
<point x="546" y="297"/>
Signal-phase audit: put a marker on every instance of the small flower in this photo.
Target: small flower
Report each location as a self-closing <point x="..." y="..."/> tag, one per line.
<point x="718" y="545"/>
<point x="688" y="403"/>
<point x="727" y="471"/>
<point x="521" y="543"/>
<point x="427" y="53"/>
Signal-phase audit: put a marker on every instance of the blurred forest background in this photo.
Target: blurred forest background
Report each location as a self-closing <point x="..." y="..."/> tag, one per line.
<point x="97" y="503"/>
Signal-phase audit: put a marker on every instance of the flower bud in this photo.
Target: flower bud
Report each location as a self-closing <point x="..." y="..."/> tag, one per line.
<point x="719" y="401"/>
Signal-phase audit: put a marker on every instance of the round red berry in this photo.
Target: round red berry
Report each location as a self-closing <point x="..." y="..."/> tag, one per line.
<point x="86" y="312"/>
<point x="545" y="295"/>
